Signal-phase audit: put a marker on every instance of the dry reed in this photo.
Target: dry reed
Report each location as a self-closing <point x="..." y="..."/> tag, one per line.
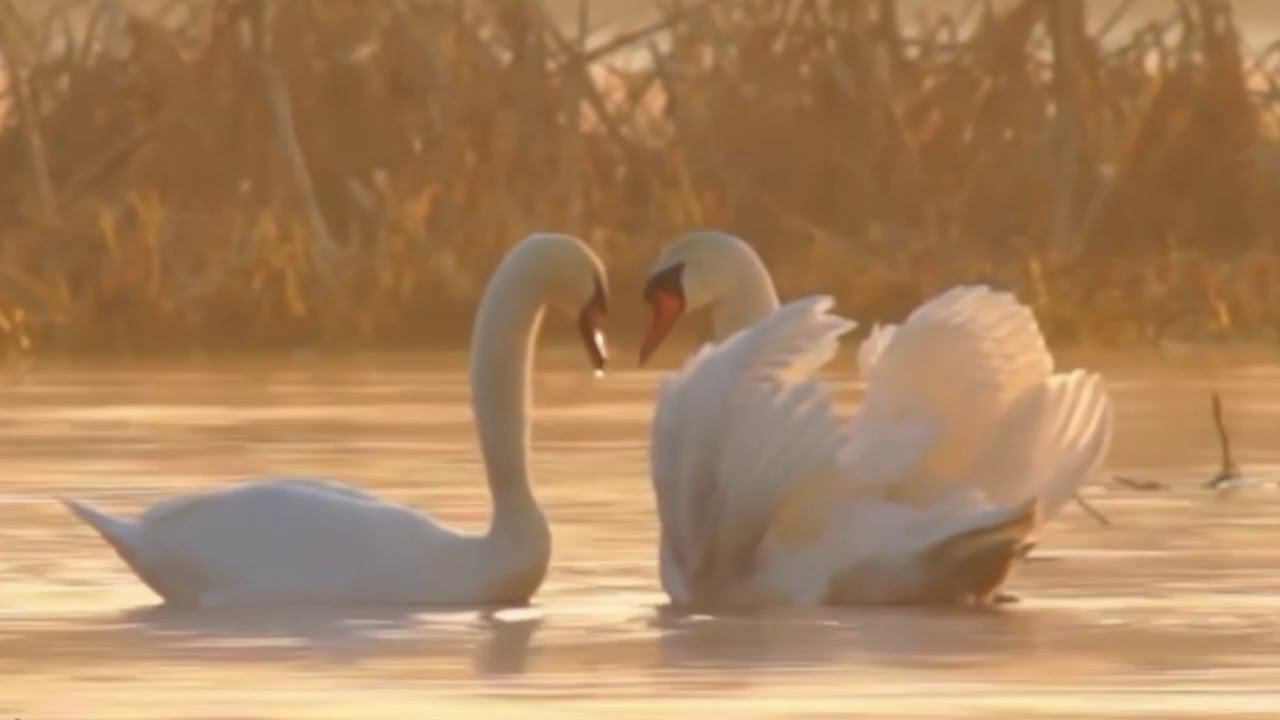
<point x="256" y="174"/>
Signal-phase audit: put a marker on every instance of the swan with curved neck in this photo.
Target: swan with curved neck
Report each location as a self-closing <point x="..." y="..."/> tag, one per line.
<point x="294" y="540"/>
<point x="965" y="442"/>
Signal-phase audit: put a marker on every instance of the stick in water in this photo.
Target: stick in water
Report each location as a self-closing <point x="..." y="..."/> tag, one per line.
<point x="1139" y="484"/>
<point x="1093" y="511"/>
<point x="1228" y="472"/>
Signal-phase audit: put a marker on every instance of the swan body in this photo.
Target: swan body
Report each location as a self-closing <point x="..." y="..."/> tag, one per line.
<point x="965" y="443"/>
<point x="297" y="540"/>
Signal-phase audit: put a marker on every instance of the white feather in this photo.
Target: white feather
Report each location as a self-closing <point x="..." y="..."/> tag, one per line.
<point x="731" y="431"/>
<point x="963" y="393"/>
<point x="963" y="432"/>
<point x="298" y="540"/>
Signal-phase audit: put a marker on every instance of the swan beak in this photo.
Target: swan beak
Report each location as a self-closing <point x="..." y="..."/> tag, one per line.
<point x="589" y="321"/>
<point x="665" y="308"/>
<point x="664" y="292"/>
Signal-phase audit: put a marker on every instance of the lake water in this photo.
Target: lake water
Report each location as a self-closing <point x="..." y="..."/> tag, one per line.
<point x="1170" y="613"/>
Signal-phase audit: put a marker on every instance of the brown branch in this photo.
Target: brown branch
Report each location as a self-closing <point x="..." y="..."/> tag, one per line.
<point x="579" y="66"/>
<point x="1228" y="468"/>
<point x="584" y="25"/>
<point x="655" y="28"/>
<point x="27" y="113"/>
<point x="110" y="158"/>
<point x="323" y="248"/>
<point x="891" y="32"/>
<point x="1113" y="19"/>
<point x="1066" y="27"/>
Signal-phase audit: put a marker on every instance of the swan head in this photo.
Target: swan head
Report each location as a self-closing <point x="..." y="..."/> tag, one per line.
<point x="699" y="270"/>
<point x="573" y="281"/>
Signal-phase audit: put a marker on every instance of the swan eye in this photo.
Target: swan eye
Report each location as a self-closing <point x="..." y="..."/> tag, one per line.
<point x="669" y="281"/>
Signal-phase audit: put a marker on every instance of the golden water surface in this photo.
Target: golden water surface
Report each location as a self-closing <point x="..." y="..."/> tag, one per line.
<point x="1170" y="613"/>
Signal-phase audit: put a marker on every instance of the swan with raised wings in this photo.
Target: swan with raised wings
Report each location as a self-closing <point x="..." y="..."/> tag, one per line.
<point x="966" y="441"/>
<point x="314" y="541"/>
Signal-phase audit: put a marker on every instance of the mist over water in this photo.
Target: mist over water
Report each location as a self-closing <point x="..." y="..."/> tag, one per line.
<point x="1169" y="613"/>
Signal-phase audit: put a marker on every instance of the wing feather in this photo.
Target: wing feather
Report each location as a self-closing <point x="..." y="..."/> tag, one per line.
<point x="963" y="394"/>
<point x="732" y="430"/>
<point x="1051" y="443"/>
<point x="873" y="346"/>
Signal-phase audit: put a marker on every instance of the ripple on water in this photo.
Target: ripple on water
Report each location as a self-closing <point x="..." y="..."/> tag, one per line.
<point x="1169" y="613"/>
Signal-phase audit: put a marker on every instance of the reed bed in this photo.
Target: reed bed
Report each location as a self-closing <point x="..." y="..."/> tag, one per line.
<point x="260" y="174"/>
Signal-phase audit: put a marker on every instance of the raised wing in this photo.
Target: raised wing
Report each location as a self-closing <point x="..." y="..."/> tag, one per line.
<point x="962" y="395"/>
<point x="873" y="346"/>
<point x="1052" y="442"/>
<point x="732" y="430"/>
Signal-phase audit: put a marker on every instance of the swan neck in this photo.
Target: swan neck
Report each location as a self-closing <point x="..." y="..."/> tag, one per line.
<point x="506" y="329"/>
<point x="749" y="299"/>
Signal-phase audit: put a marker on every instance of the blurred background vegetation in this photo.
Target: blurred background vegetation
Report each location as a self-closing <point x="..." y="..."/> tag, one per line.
<point x="262" y="174"/>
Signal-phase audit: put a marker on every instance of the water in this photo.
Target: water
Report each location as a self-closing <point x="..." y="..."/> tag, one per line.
<point x="1170" y="613"/>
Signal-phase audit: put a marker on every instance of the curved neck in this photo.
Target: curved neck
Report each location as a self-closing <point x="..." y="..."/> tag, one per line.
<point x="747" y="301"/>
<point x="502" y="347"/>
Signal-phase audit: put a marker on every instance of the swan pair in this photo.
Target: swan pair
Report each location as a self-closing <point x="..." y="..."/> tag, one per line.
<point x="965" y="443"/>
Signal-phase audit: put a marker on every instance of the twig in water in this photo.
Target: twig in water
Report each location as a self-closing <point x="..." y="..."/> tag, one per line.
<point x="1228" y="472"/>
<point x="1138" y="484"/>
<point x="1097" y="515"/>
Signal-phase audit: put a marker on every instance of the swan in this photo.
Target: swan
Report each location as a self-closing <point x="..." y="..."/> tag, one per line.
<point x="314" y="541"/>
<point x="964" y="444"/>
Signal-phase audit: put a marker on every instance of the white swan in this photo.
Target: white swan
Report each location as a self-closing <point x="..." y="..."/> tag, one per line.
<point x="312" y="541"/>
<point x="965" y="442"/>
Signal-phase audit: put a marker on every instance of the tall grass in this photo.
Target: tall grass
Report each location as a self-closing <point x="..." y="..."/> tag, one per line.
<point x="256" y="174"/>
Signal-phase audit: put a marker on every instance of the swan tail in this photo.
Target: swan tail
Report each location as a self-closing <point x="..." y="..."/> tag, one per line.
<point x="971" y="565"/>
<point x="120" y="533"/>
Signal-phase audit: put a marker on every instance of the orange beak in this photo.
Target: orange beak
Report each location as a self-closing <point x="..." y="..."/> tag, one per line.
<point x="665" y="308"/>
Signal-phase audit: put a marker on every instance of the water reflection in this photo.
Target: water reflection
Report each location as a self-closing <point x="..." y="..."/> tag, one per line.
<point x="908" y="636"/>
<point x="499" y="639"/>
<point x="506" y="650"/>
<point x="1168" y="613"/>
